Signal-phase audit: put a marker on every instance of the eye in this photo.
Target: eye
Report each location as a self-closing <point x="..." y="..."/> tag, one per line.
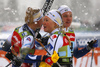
<point x="71" y="15"/>
<point x="65" y="16"/>
<point x="46" y="19"/>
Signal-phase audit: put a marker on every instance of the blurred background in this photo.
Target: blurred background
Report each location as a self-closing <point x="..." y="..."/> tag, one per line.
<point x="86" y="19"/>
<point x="86" y="13"/>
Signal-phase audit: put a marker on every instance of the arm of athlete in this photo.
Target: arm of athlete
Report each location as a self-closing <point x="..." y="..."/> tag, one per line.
<point x="79" y="53"/>
<point x="28" y="58"/>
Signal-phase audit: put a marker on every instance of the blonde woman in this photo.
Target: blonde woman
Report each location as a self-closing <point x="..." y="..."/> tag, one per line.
<point x="66" y="54"/>
<point x="21" y="41"/>
<point x="53" y="25"/>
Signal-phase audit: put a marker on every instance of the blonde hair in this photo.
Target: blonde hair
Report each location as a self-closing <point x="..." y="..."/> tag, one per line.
<point x="29" y="14"/>
<point x="61" y="18"/>
<point x="63" y="30"/>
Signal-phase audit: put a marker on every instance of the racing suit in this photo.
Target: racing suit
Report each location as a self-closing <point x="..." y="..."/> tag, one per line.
<point x="22" y="40"/>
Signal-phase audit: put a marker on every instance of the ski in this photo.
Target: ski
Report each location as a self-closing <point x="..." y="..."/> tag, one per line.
<point x="47" y="5"/>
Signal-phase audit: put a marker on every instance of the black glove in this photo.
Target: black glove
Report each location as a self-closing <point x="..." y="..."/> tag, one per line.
<point x="9" y="55"/>
<point x="17" y="61"/>
<point x="92" y="44"/>
<point x="13" y="58"/>
<point x="44" y="40"/>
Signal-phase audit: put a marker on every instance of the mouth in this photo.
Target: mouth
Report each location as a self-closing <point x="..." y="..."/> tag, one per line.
<point x="68" y="22"/>
<point x="44" y="27"/>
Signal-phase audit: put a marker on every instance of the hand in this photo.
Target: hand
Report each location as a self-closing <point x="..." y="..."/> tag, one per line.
<point x="17" y="61"/>
<point x="93" y="44"/>
<point x="13" y="58"/>
<point x="47" y="60"/>
<point x="55" y="57"/>
<point x="9" y="55"/>
<point x="43" y="64"/>
<point x="50" y="60"/>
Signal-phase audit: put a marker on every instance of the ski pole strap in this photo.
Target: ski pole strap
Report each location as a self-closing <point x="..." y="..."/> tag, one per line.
<point x="47" y="5"/>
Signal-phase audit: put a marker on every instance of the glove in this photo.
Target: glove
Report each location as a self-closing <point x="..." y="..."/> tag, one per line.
<point x="17" y="61"/>
<point x="50" y="60"/>
<point x="92" y="44"/>
<point x="47" y="60"/>
<point x="13" y="58"/>
<point x="43" y="64"/>
<point x="55" y="57"/>
<point x="44" y="40"/>
<point x="9" y="55"/>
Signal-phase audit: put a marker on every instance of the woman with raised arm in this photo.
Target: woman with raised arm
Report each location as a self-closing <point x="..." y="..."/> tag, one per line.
<point x="66" y="52"/>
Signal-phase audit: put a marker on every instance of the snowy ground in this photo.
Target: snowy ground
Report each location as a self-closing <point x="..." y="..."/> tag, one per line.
<point x="3" y="62"/>
<point x="81" y="62"/>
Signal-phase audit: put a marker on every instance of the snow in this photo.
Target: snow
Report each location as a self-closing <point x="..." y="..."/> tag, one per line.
<point x="86" y="11"/>
<point x="3" y="62"/>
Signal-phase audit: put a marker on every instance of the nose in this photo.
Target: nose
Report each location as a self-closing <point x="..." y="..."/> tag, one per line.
<point x="43" y="22"/>
<point x="68" y="18"/>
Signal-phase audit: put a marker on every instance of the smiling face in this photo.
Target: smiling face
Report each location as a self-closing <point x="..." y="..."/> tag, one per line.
<point x="48" y="24"/>
<point x="67" y="19"/>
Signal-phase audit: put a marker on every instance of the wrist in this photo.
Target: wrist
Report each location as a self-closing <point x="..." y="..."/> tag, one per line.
<point x="48" y="60"/>
<point x="88" y="48"/>
<point x="44" y="58"/>
<point x="41" y="57"/>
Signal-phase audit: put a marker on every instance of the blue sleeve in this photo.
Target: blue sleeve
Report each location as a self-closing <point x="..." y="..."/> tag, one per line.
<point x="79" y="53"/>
<point x="32" y="58"/>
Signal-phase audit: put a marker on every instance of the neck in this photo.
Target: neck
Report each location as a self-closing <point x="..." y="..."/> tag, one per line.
<point x="66" y="28"/>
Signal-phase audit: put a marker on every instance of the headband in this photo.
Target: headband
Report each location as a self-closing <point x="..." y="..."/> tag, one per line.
<point x="54" y="16"/>
<point x="38" y="16"/>
<point x="64" y="9"/>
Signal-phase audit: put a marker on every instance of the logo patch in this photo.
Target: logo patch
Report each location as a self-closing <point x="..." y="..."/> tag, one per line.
<point x="25" y="33"/>
<point x="50" y="46"/>
<point x="29" y="39"/>
<point x="71" y="36"/>
<point x="65" y="41"/>
<point x="54" y="36"/>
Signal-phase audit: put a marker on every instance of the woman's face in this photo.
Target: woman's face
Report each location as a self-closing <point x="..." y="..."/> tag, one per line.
<point x="48" y="24"/>
<point x="67" y="19"/>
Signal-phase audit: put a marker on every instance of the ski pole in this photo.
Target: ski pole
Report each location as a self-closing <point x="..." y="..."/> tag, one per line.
<point x="9" y="64"/>
<point x="92" y="53"/>
<point x="47" y="5"/>
<point x="92" y="57"/>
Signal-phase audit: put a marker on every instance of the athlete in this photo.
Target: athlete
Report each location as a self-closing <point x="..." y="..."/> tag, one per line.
<point x="53" y="25"/>
<point x="66" y="52"/>
<point x="20" y="46"/>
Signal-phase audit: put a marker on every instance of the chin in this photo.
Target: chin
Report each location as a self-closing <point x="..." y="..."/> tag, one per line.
<point x="45" y="30"/>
